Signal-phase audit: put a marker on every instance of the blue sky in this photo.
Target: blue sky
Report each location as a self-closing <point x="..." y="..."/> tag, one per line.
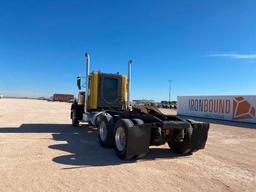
<point x="204" y="47"/>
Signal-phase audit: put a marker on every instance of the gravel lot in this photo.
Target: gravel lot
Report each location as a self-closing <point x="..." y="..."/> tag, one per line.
<point x="41" y="151"/>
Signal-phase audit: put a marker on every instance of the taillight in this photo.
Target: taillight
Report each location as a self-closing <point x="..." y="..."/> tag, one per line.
<point x="168" y="131"/>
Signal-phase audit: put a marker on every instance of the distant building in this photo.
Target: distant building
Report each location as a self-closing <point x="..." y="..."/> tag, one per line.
<point x="144" y="102"/>
<point x="62" y="97"/>
<point x="1" y="96"/>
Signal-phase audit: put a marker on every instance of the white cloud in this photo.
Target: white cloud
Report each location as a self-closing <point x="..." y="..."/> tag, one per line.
<point x="235" y="56"/>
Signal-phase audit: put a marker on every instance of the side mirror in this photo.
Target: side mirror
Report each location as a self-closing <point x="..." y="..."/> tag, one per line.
<point x="78" y="82"/>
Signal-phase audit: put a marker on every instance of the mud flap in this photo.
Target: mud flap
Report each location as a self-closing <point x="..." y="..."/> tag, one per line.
<point x="138" y="140"/>
<point x="199" y="135"/>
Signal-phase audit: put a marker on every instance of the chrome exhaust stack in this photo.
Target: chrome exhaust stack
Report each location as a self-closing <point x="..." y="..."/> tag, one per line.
<point x="87" y="59"/>
<point x="129" y="84"/>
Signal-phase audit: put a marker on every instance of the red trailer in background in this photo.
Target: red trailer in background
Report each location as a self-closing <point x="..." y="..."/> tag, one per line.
<point x="63" y="97"/>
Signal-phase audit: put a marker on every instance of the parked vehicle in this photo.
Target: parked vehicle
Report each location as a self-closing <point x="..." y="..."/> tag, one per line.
<point x="131" y="129"/>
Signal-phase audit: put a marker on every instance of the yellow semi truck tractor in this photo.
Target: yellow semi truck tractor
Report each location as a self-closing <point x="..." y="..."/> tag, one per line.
<point x="104" y="102"/>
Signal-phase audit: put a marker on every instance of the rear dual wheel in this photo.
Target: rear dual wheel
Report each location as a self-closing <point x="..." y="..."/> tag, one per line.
<point x="183" y="147"/>
<point x="111" y="134"/>
<point x="105" y="130"/>
<point x="121" y="138"/>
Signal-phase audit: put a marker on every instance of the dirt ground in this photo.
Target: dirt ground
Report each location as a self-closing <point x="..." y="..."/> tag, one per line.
<point x="41" y="151"/>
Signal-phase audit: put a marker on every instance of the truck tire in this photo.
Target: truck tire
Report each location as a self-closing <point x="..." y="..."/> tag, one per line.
<point x="74" y="117"/>
<point x="76" y="113"/>
<point x="75" y="121"/>
<point x="199" y="136"/>
<point x="105" y="131"/>
<point x="183" y="147"/>
<point x="121" y="137"/>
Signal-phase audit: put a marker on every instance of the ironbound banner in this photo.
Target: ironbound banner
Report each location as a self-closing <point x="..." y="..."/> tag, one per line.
<point x="232" y="108"/>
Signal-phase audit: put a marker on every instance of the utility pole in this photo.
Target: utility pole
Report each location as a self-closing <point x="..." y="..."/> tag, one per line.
<point x="170" y="87"/>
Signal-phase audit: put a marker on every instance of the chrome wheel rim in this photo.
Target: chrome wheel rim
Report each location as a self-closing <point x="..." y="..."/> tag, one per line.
<point x="103" y="131"/>
<point x="120" y="138"/>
